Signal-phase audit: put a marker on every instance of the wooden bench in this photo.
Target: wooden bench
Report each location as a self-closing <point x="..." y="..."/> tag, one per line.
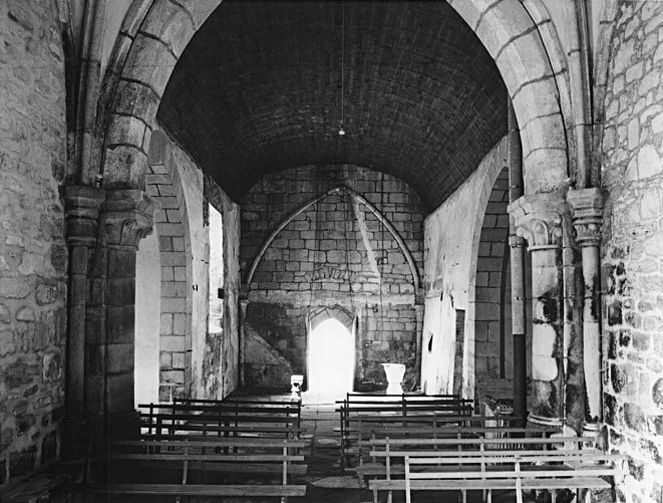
<point x="351" y="434"/>
<point x="520" y="472"/>
<point x="222" y="418"/>
<point x="374" y="438"/>
<point x="399" y="406"/>
<point x="220" y="457"/>
<point x="456" y="448"/>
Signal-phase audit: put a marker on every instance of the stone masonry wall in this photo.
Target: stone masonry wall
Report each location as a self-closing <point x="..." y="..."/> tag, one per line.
<point x="452" y="248"/>
<point x="33" y="254"/>
<point x="632" y="172"/>
<point x="334" y="253"/>
<point x="493" y="348"/>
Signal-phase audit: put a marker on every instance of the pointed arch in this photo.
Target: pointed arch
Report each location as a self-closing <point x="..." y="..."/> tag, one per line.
<point x="339" y="189"/>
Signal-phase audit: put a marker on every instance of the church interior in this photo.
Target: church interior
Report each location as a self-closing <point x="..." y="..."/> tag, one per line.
<point x="278" y="249"/>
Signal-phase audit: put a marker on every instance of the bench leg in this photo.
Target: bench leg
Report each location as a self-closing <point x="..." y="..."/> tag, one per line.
<point x="375" y="496"/>
<point x="489" y="498"/>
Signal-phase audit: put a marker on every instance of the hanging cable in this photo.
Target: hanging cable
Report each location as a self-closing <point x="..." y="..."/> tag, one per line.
<point x="341" y="130"/>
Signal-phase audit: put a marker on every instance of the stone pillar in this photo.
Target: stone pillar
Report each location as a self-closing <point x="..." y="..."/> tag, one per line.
<point x="587" y="211"/>
<point x="126" y="217"/>
<point x="82" y="212"/>
<point x="517" y="263"/>
<point x="538" y="218"/>
<point x="518" y="322"/>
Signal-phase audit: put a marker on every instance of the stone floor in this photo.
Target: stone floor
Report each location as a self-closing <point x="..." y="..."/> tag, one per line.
<point x="325" y="481"/>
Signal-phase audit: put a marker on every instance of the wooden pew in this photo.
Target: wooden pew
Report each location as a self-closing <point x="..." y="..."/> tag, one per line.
<point x="374" y="438"/>
<point x="399" y="406"/>
<point x="221" y="418"/>
<point x="400" y="448"/>
<point x="220" y="458"/>
<point x="527" y="470"/>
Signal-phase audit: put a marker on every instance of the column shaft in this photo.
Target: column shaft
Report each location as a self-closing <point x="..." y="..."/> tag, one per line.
<point x="82" y="212"/>
<point x="587" y="207"/>
<point x="537" y="218"/>
<point x="517" y="262"/>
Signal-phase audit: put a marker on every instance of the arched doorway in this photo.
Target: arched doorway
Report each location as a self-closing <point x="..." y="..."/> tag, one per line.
<point x="331" y="358"/>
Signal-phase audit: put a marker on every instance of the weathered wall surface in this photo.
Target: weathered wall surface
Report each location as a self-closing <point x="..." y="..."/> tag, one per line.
<point x="451" y="241"/>
<point x="33" y="255"/>
<point x="196" y="254"/>
<point x="231" y="286"/>
<point x="220" y="363"/>
<point x="194" y="360"/>
<point x="334" y="252"/>
<point x="633" y="246"/>
<point x="165" y="186"/>
<point x="492" y="294"/>
<point x="147" y="320"/>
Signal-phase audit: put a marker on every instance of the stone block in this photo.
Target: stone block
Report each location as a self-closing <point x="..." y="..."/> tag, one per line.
<point x="15" y="288"/>
<point x="172" y="343"/>
<point x="120" y="359"/>
<point x="51" y="367"/>
<point x="166" y="324"/>
<point x="165" y="360"/>
<point x="178" y="360"/>
<point x="179" y="323"/>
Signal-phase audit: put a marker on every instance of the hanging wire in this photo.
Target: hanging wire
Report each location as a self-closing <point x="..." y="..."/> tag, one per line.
<point x="341" y="130"/>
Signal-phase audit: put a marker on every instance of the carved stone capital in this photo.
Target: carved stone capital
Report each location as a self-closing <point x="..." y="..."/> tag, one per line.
<point x="82" y="206"/>
<point x="127" y="217"/>
<point x="587" y="211"/>
<point x="538" y="219"/>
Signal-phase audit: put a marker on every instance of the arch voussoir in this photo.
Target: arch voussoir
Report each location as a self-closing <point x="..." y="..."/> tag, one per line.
<point x="172" y="24"/>
<point x="138" y="100"/>
<point x="150" y="61"/>
<point x="511" y="36"/>
<point x="125" y="166"/>
<point x="127" y="130"/>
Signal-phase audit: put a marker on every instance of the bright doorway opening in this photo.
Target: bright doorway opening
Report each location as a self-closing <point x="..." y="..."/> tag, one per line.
<point x="331" y="359"/>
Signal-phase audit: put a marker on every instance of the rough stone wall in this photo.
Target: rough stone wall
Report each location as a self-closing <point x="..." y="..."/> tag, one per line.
<point x="633" y="248"/>
<point x="451" y="239"/>
<point x="493" y="348"/>
<point x="33" y="255"/>
<point x="334" y="252"/>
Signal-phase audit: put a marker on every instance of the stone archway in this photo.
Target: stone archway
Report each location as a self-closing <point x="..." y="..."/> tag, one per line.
<point x="171" y="222"/>
<point x="492" y="302"/>
<point x="156" y="38"/>
<point x="512" y="38"/>
<point x="505" y="28"/>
